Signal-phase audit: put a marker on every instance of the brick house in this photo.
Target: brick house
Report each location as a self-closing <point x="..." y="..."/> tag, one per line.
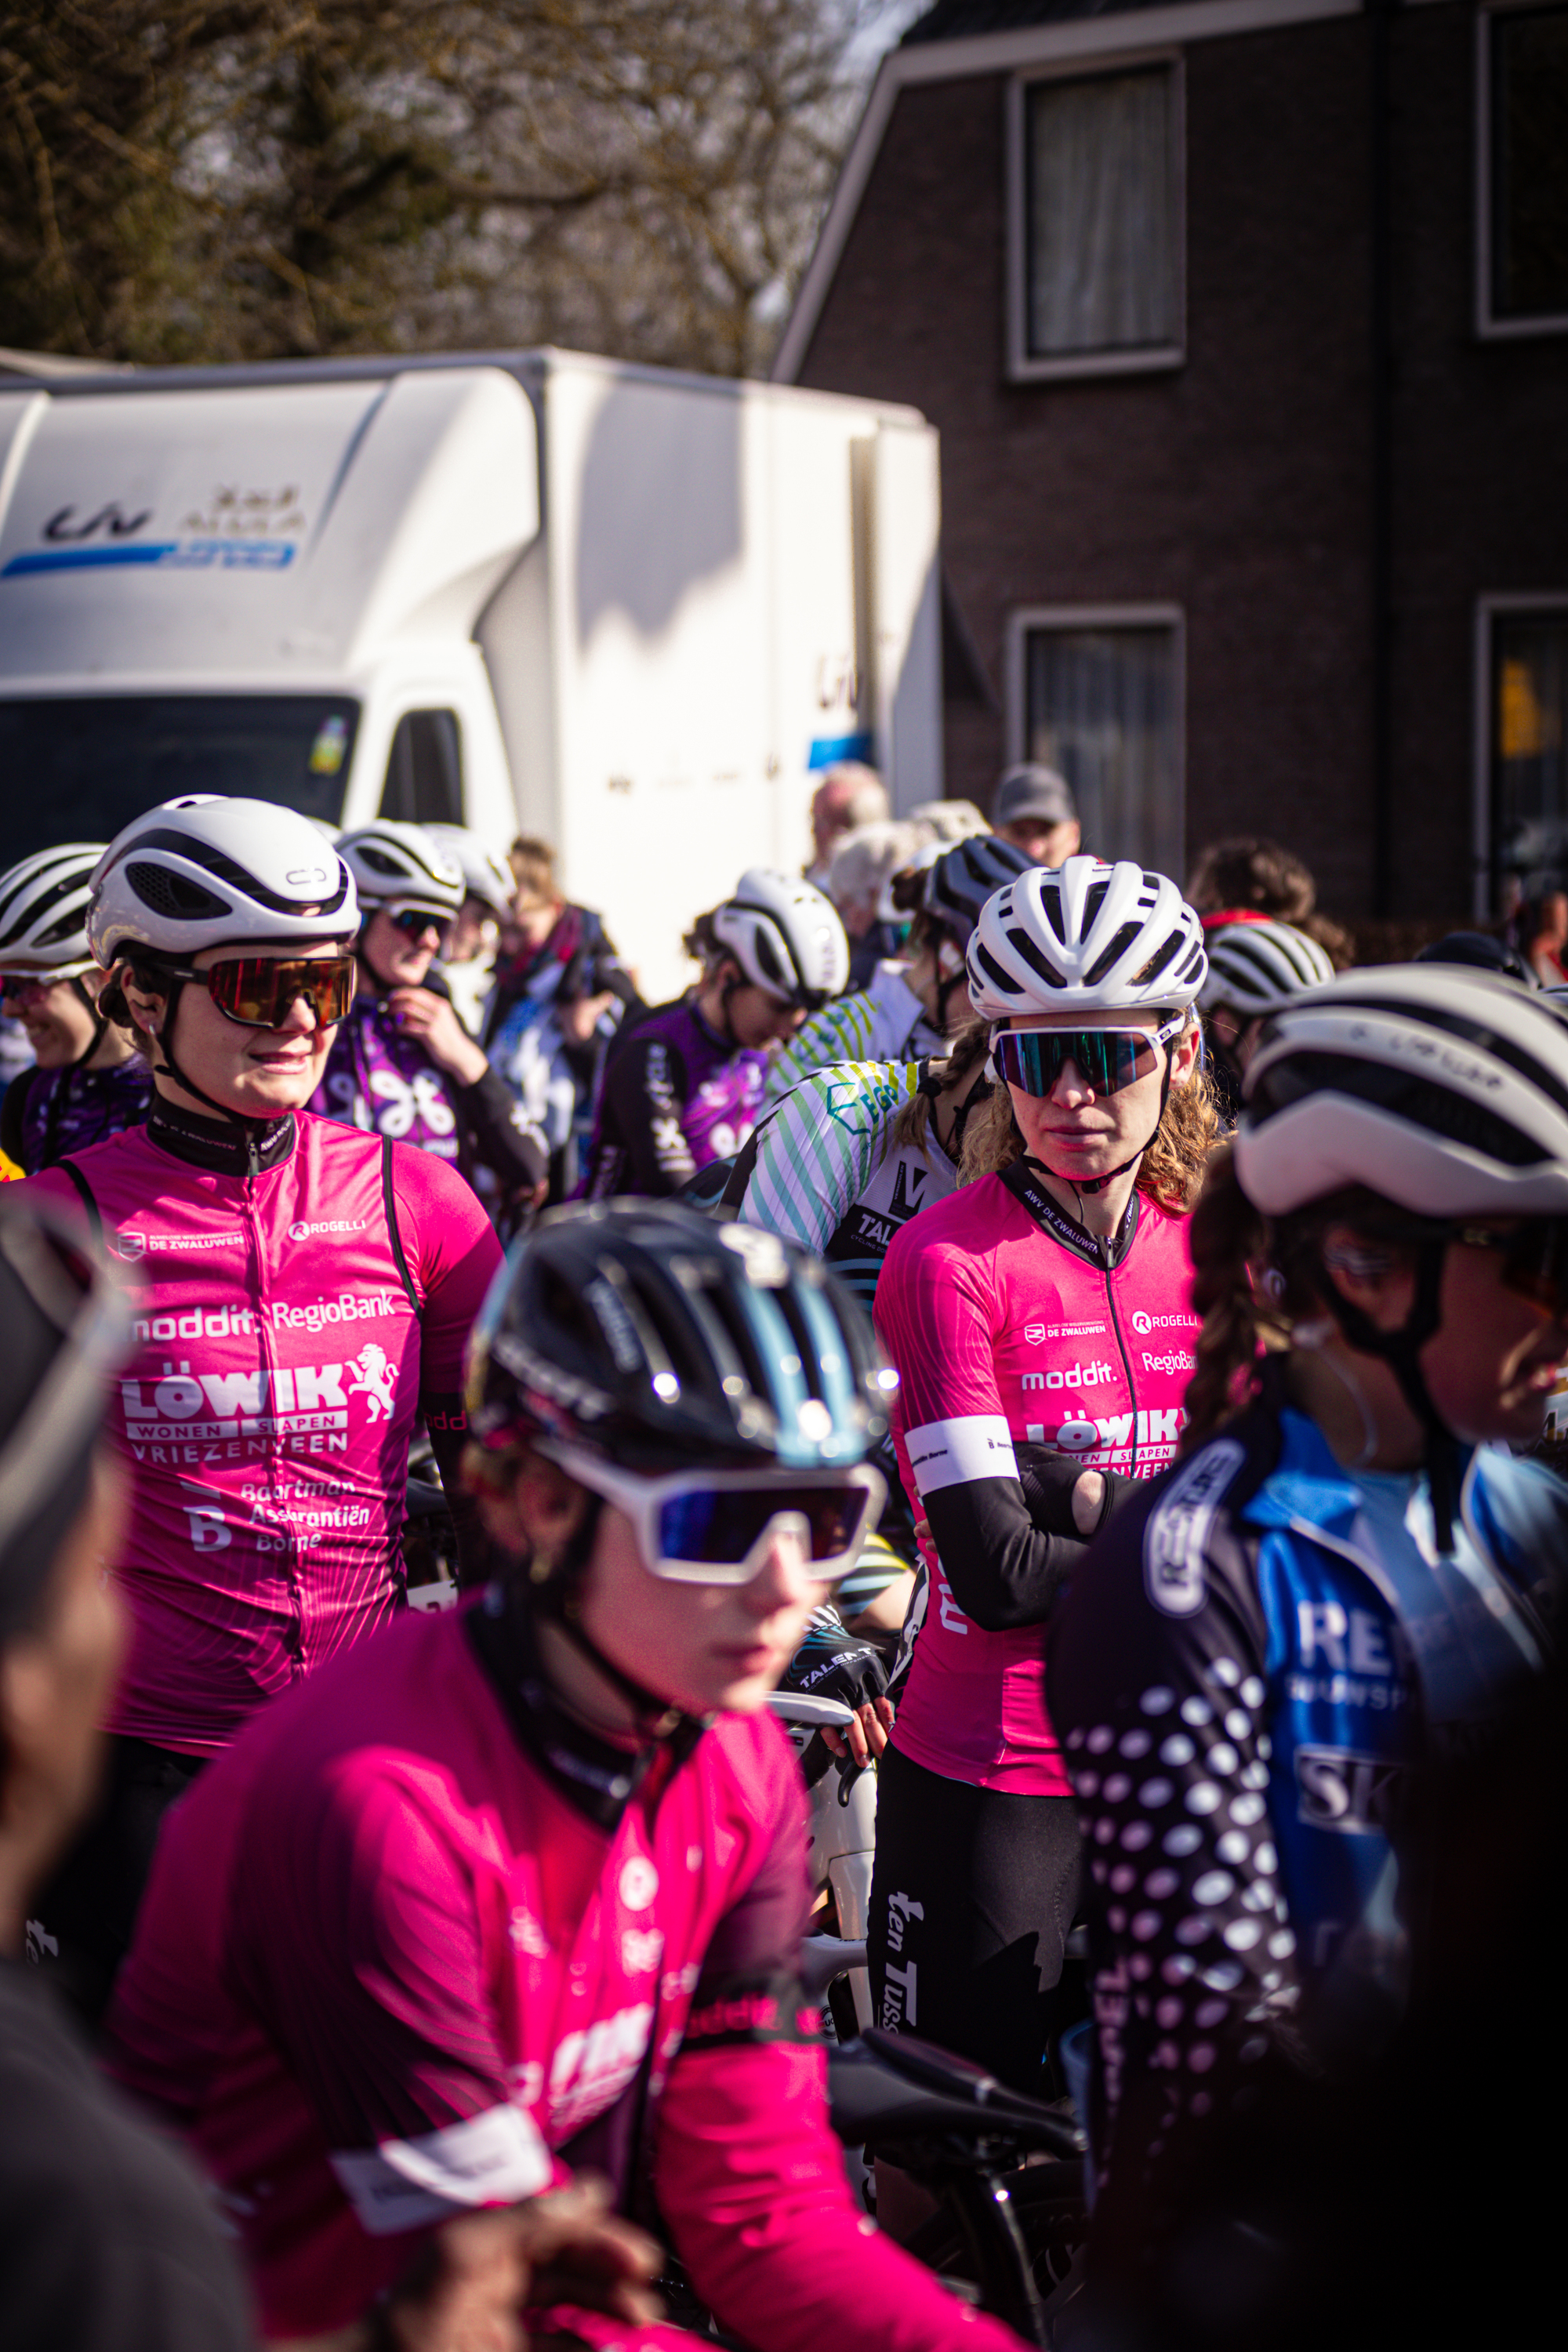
<point x="1245" y="323"/>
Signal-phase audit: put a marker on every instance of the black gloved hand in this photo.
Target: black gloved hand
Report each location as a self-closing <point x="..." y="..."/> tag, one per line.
<point x="831" y="1663"/>
<point x="1049" y="1479"/>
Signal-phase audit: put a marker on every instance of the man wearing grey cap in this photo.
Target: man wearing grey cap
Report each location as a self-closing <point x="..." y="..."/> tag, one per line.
<point x="1035" y="810"/>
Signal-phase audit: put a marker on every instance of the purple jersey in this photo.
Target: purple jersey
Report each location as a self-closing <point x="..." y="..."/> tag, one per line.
<point x="381" y="1078"/>
<point x="676" y="1096"/>
<point x="65" y="1110"/>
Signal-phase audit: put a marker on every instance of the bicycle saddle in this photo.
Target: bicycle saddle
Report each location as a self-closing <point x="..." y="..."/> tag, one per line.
<point x="890" y="2087"/>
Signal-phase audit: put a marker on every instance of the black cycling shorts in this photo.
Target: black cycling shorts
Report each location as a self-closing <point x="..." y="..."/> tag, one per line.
<point x="80" y="1923"/>
<point x="971" y="1898"/>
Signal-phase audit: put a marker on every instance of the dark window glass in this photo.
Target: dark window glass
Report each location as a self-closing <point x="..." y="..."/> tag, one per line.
<point x="1102" y="711"/>
<point x="78" y="769"/>
<point x="1529" y="164"/>
<point x="1102" y="204"/>
<point x="1530" y="775"/>
<point x="424" y="770"/>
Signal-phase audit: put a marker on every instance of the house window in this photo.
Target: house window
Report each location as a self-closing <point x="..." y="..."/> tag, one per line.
<point x="424" y="770"/>
<point x="1098" y="227"/>
<point x="1099" y="697"/>
<point x="1529" y="721"/>
<point x="1525" y="125"/>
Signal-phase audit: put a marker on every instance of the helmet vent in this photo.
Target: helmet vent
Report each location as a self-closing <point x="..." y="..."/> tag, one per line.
<point x="1024" y="946"/>
<point x="175" y="895"/>
<point x="767" y="961"/>
<point x="1413" y="1099"/>
<point x="1051" y="908"/>
<point x="1098" y="894"/>
<point x="1126" y="937"/>
<point x="1158" y="960"/>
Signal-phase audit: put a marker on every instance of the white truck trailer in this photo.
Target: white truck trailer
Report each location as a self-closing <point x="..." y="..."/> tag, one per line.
<point x="627" y="610"/>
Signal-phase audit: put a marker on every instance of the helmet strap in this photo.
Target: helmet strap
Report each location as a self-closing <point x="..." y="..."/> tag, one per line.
<point x="559" y="1597"/>
<point x="1401" y="1351"/>
<point x="99" y="1024"/>
<point x="251" y="1128"/>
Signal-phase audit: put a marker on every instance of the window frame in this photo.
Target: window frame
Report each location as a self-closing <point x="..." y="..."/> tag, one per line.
<point x="1489" y="327"/>
<point x="1490" y="610"/>
<point x="1023" y="618"/>
<point x="1022" y="365"/>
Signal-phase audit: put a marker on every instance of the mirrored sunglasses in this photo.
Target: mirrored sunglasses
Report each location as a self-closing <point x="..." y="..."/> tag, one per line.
<point x="1106" y="1059"/>
<point x="258" y="991"/>
<point x="716" y="1526"/>
<point x="415" y="921"/>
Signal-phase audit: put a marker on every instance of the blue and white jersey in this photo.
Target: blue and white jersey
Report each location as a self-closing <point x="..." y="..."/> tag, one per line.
<point x="1252" y="1667"/>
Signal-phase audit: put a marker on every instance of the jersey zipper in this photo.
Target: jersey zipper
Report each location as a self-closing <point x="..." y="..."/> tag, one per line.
<point x="1126" y="1362"/>
<point x="283" y="1526"/>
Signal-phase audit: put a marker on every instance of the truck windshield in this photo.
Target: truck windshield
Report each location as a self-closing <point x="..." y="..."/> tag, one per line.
<point x="78" y="769"/>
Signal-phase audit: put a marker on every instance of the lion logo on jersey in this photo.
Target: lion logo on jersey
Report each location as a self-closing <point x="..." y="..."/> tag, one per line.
<point x="374" y="1377"/>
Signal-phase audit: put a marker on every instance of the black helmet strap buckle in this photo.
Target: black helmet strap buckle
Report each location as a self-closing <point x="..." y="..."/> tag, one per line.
<point x="1401" y="1351"/>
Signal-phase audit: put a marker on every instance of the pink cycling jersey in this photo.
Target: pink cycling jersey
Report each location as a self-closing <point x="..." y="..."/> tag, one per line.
<point x="286" y="1326"/>
<point x="386" y="1969"/>
<point x="1004" y="1328"/>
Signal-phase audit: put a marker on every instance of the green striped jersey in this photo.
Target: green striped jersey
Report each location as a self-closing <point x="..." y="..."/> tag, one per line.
<point x="824" y="1170"/>
<point x="884" y="1022"/>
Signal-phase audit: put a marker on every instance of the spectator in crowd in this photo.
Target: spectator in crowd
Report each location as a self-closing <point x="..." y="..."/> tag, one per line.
<point x="1539" y="928"/>
<point x="468" y="962"/>
<point x="1247" y="878"/>
<point x="108" y="2243"/>
<point x="862" y="868"/>
<point x="848" y="796"/>
<point x="950" y="821"/>
<point x="561" y="992"/>
<point x="1035" y="810"/>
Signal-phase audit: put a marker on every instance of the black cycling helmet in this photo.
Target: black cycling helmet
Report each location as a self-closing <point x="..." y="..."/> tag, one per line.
<point x="665" y="1340"/>
<point x="1482" y="953"/>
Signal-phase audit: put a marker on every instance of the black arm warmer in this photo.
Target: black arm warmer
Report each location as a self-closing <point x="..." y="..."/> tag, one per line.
<point x="645" y="1094"/>
<point x="491" y="1115"/>
<point x="1007" y="1544"/>
<point x="1003" y="1570"/>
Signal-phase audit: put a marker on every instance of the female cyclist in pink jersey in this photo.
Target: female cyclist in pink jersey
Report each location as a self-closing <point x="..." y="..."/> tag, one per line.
<point x="1040" y="1321"/>
<point x="522" y="1889"/>
<point x="300" y="1292"/>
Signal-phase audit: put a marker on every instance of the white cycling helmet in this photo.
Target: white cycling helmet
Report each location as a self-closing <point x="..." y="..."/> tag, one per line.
<point x="1443" y="1089"/>
<point x="786" y="937"/>
<point x="958" y="880"/>
<point x="486" y="873"/>
<point x="394" y="863"/>
<point x="1254" y="967"/>
<point x="1085" y="937"/>
<point x="206" y="872"/>
<point x="43" y="913"/>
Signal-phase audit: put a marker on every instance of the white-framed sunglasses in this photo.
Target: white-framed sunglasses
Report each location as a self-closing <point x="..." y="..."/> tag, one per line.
<point x="716" y="1526"/>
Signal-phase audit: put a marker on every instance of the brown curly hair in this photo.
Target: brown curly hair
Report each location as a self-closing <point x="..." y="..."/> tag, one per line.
<point x="965" y="1054"/>
<point x="1170" y="1174"/>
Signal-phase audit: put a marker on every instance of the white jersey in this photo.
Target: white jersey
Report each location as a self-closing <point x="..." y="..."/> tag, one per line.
<point x="822" y="1170"/>
<point x="884" y="1022"/>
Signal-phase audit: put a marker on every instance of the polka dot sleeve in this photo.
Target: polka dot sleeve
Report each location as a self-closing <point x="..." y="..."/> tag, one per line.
<point x="1163" y="1723"/>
